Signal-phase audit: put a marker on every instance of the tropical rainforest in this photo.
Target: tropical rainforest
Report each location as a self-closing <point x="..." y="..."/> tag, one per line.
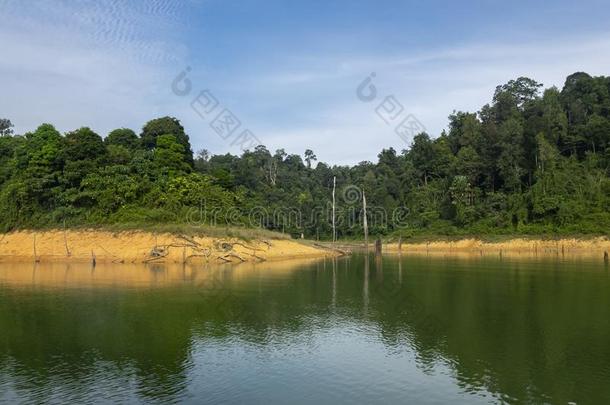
<point x="533" y="161"/>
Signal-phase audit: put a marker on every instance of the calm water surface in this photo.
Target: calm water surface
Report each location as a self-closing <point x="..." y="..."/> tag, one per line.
<point x="350" y="330"/>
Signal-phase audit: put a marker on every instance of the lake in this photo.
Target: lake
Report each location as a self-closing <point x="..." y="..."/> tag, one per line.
<point x="410" y="329"/>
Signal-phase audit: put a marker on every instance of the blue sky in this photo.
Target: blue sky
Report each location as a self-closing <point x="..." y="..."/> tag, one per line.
<point x="287" y="70"/>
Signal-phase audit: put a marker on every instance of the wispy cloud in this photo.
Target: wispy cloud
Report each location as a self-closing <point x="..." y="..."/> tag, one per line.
<point x="110" y="64"/>
<point x="88" y="63"/>
<point x="325" y="114"/>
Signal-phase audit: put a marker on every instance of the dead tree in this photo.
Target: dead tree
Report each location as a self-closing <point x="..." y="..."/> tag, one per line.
<point x="334" y="228"/>
<point x="364" y="221"/>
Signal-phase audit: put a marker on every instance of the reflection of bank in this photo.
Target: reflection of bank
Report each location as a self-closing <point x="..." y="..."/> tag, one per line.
<point x="71" y="344"/>
<point x="499" y="326"/>
<point x="132" y="327"/>
<point x="153" y="275"/>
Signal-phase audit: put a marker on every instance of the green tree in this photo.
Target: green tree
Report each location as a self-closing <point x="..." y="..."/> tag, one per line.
<point x="153" y="129"/>
<point x="123" y="137"/>
<point x="422" y="155"/>
<point x="82" y="152"/>
<point x="510" y="161"/>
<point x="5" y="127"/>
<point x="169" y="156"/>
<point x="309" y="157"/>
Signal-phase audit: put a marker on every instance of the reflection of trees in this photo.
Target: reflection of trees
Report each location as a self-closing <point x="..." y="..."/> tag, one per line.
<point x="514" y="332"/>
<point x="527" y="333"/>
<point x="54" y="337"/>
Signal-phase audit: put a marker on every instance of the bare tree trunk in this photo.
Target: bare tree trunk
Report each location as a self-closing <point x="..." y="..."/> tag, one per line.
<point x="66" y="241"/>
<point x="35" y="254"/>
<point x="365" y="222"/>
<point x="334" y="229"/>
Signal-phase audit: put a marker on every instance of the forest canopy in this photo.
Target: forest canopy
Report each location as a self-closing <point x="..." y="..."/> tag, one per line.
<point x="532" y="161"/>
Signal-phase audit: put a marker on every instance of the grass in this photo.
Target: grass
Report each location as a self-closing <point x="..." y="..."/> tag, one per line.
<point x="491" y="238"/>
<point x="243" y="233"/>
<point x="486" y="237"/>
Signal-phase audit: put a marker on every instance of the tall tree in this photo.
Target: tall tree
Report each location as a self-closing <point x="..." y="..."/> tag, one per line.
<point x="309" y="157"/>
<point x="167" y="126"/>
<point x="5" y="127"/>
<point x="123" y="137"/>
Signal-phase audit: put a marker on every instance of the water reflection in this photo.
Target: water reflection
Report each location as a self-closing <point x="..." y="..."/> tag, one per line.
<point x="358" y="329"/>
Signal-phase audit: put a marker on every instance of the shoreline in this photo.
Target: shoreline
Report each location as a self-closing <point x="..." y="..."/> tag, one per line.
<point x="529" y="246"/>
<point x="517" y="246"/>
<point x="100" y="246"/>
<point x="141" y="246"/>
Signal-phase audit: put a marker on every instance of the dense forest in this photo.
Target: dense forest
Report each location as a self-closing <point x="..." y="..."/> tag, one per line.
<point x="532" y="161"/>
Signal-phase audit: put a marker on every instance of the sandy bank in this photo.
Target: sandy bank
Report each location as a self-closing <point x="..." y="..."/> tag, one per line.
<point x="145" y="247"/>
<point x="595" y="246"/>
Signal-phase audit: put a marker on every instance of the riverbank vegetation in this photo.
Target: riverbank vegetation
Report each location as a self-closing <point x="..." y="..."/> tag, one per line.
<point x="532" y="161"/>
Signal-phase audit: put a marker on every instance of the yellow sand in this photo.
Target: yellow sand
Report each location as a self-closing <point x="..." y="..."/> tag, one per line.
<point x="144" y="247"/>
<point x="594" y="246"/>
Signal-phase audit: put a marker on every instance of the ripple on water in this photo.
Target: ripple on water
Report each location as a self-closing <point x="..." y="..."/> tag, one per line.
<point x="503" y="332"/>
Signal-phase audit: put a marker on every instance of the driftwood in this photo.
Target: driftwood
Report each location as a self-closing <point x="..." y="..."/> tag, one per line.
<point x="257" y="257"/>
<point x="334" y="249"/>
<point x="199" y="255"/>
<point x="248" y="247"/>
<point x="189" y="240"/>
<point x="117" y="258"/>
<point x="152" y="259"/>
<point x="236" y="256"/>
<point x="225" y="248"/>
<point x="159" y="251"/>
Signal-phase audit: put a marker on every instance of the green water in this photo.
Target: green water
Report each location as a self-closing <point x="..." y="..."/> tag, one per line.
<point x="351" y="330"/>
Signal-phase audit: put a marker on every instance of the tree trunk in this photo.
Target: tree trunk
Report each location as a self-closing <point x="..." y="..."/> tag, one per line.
<point x="365" y="222"/>
<point x="334" y="229"/>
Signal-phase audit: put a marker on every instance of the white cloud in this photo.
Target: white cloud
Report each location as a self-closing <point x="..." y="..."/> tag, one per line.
<point x="330" y="120"/>
<point x="107" y="65"/>
<point x="73" y="66"/>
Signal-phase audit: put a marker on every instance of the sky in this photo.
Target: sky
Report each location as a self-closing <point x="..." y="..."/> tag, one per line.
<point x="287" y="71"/>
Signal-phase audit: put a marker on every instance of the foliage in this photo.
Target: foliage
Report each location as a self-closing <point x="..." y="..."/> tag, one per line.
<point x="530" y="162"/>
